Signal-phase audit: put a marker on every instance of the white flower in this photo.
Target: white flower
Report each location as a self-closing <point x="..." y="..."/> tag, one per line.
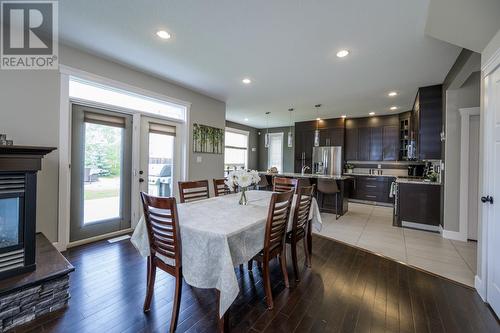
<point x="242" y="178"/>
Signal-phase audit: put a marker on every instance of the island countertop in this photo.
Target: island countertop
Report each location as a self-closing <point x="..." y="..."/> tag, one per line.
<point x="306" y="175"/>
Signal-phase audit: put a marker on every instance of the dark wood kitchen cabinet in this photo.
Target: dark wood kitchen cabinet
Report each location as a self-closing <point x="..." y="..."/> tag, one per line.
<point x="331" y="134"/>
<point x="419" y="203"/>
<point x="372" y="188"/>
<point x="428" y="122"/>
<point x="351" y="144"/>
<point x="372" y="139"/>
<point x="391" y="144"/>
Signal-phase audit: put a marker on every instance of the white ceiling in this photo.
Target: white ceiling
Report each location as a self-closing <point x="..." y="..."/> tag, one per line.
<point x="287" y="48"/>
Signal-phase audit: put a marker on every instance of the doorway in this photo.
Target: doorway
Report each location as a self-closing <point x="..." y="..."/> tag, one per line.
<point x="160" y="157"/>
<point x="101" y="158"/>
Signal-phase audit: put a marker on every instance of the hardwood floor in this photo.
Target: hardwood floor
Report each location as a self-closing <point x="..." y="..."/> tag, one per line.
<point x="347" y="290"/>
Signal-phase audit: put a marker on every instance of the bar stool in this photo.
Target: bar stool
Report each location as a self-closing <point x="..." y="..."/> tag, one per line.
<point x="329" y="186"/>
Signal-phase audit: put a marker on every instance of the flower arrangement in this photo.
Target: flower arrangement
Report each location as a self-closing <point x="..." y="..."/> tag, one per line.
<point x="242" y="179"/>
<point x="349" y="167"/>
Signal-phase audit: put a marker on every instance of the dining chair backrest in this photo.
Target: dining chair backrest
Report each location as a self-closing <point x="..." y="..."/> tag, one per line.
<point x="162" y="223"/>
<point x="193" y="190"/>
<point x="277" y="221"/>
<point x="302" y="208"/>
<point x="283" y="184"/>
<point x="328" y="186"/>
<point x="220" y="187"/>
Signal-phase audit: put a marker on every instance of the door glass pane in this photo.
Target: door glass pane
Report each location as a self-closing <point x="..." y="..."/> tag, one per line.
<point x="9" y="222"/>
<point x="102" y="172"/>
<point x="160" y="164"/>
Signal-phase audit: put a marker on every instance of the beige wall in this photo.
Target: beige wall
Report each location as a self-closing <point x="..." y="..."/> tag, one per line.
<point x="468" y="95"/>
<point x="29" y="113"/>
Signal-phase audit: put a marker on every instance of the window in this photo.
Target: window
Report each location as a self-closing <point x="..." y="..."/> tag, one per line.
<point x="275" y="151"/>
<point x="91" y="91"/>
<point x="235" y="149"/>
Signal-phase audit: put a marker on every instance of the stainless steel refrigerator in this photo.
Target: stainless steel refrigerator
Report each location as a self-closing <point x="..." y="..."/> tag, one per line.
<point x="327" y="160"/>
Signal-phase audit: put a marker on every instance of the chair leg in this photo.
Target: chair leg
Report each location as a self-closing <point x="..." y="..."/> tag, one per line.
<point x="293" y="246"/>
<point x="177" y="302"/>
<point x="250" y="264"/>
<point x="267" y="286"/>
<point x="336" y="206"/>
<point x="306" y="251"/>
<point x="151" y="271"/>
<point x="282" y="258"/>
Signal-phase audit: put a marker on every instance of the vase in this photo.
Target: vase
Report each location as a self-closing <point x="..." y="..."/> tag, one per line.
<point x="243" y="197"/>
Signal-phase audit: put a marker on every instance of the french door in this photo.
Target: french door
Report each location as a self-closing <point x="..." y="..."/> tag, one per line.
<point x="101" y="159"/>
<point x="160" y="157"/>
<point x="492" y="198"/>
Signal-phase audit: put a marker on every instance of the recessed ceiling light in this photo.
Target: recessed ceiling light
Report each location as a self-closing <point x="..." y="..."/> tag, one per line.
<point x="342" y="53"/>
<point x="394" y="108"/>
<point x="371" y="113"/>
<point x="163" y="34"/>
<point x="246" y="81"/>
<point x="246" y="119"/>
<point x="392" y="94"/>
<point x="343" y="116"/>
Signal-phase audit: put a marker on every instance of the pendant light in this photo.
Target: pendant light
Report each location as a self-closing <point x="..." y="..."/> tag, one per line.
<point x="316" y="132"/>
<point x="290" y="134"/>
<point x="266" y="136"/>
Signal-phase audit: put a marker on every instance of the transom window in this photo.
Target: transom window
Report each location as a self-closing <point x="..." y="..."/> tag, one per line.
<point x="235" y="149"/>
<point x="91" y="91"/>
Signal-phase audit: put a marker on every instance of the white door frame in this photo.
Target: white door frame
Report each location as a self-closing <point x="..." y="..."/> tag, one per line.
<point x="465" y="114"/>
<point x="65" y="103"/>
<point x="485" y="153"/>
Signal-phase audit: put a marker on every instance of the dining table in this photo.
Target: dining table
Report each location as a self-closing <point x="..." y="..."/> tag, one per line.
<point x="218" y="234"/>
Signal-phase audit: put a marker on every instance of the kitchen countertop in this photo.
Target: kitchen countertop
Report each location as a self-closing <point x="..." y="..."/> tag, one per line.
<point x="368" y="175"/>
<point x="402" y="180"/>
<point x="306" y="175"/>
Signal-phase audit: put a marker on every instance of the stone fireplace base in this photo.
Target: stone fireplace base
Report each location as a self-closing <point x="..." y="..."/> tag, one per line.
<point x="27" y="297"/>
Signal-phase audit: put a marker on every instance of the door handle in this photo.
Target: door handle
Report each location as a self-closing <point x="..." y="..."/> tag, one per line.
<point x="141" y="180"/>
<point x="487" y="199"/>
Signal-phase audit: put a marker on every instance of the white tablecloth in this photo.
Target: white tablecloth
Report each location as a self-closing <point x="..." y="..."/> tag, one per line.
<point x="218" y="234"/>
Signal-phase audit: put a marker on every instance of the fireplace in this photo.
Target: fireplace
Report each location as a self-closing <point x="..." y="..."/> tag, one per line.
<point x="18" y="169"/>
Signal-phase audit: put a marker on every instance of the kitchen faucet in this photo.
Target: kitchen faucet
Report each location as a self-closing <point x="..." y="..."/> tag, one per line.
<point x="304" y="168"/>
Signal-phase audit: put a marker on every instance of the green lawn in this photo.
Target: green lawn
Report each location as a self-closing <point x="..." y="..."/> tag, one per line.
<point x="99" y="194"/>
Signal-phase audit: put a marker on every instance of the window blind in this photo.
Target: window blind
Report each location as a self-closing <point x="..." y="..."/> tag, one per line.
<point x="162" y="129"/>
<point x="103" y="119"/>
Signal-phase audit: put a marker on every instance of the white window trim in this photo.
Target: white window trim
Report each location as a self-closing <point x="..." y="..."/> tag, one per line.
<point x="239" y="131"/>
<point x="65" y="107"/>
<point x="282" y="150"/>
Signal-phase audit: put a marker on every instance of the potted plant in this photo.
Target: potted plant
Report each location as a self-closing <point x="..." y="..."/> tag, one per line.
<point x="242" y="179"/>
<point x="349" y="167"/>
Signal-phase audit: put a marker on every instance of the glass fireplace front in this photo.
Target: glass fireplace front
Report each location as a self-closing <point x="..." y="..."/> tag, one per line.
<point x="10" y="222"/>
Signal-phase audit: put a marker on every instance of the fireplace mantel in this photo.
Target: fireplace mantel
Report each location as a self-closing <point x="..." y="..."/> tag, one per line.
<point x="18" y="172"/>
<point x="22" y="158"/>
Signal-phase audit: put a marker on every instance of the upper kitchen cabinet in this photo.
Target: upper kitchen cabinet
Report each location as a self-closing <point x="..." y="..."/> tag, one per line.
<point x="331" y="134"/>
<point x="428" y="122"/>
<point x="372" y="139"/>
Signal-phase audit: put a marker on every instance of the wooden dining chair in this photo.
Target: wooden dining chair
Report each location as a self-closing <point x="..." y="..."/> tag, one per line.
<point x="274" y="241"/>
<point x="220" y="187"/>
<point x="162" y="223"/>
<point x="193" y="190"/>
<point x="282" y="184"/>
<point x="300" y="226"/>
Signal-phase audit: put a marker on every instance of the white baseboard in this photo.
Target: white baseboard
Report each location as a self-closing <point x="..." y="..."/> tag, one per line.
<point x="454" y="235"/>
<point x="478" y="284"/>
<point x="100" y="237"/>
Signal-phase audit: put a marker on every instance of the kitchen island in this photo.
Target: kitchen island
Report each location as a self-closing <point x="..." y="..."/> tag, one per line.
<point x="326" y="202"/>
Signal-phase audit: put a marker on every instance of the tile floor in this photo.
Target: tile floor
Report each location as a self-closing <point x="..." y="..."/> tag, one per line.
<point x="370" y="228"/>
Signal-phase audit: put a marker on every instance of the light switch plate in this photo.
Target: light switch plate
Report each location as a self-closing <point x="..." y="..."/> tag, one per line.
<point x="198" y="159"/>
<point x="254" y="149"/>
